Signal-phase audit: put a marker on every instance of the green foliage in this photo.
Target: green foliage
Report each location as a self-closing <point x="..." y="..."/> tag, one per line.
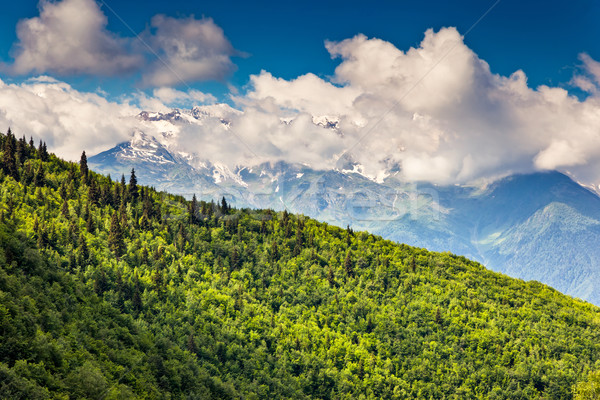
<point x="113" y="293"/>
<point x="588" y="389"/>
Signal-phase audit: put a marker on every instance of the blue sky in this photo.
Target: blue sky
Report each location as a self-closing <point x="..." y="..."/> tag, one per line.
<point x="286" y="38"/>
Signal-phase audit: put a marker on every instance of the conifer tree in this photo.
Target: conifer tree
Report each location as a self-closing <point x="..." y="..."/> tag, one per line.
<point x="44" y="156"/>
<point x="348" y="265"/>
<point x="194" y="210"/>
<point x="93" y="194"/>
<point x="39" y="177"/>
<point x="145" y="221"/>
<point x="83" y="167"/>
<point x="133" y="188"/>
<point x="224" y="206"/>
<point x="9" y="164"/>
<point x="21" y="152"/>
<point x="65" y="209"/>
<point x="123" y="190"/>
<point x="89" y="222"/>
<point x="235" y="258"/>
<point x="116" y="242"/>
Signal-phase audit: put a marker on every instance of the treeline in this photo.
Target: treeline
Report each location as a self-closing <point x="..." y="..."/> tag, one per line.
<point x="112" y="290"/>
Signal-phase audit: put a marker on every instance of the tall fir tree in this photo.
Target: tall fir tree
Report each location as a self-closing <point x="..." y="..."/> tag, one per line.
<point x="224" y="206"/>
<point x="194" y="210"/>
<point x="9" y="162"/>
<point x="39" y="177"/>
<point x="116" y="243"/>
<point x="83" y="167"/>
<point x="133" y="187"/>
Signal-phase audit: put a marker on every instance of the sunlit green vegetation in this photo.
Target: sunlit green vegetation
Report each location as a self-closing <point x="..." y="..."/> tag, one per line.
<point x="110" y="290"/>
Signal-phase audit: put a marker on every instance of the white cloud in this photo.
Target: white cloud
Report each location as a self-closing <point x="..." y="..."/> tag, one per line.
<point x="435" y="110"/>
<point x="188" y="50"/>
<point x="68" y="120"/>
<point x="70" y="37"/>
<point x="439" y="112"/>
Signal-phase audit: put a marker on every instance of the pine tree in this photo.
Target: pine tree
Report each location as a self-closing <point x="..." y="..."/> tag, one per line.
<point x="348" y="265"/>
<point x="133" y="188"/>
<point x="65" y="209"/>
<point x="9" y="163"/>
<point x="89" y="222"/>
<point x="21" y="152"/>
<point x="274" y="252"/>
<point x="85" y="254"/>
<point x="44" y="156"/>
<point x="136" y="298"/>
<point x="194" y="210"/>
<point x="123" y="190"/>
<point x="83" y="167"/>
<point x="116" y="197"/>
<point x="224" y="206"/>
<point x="100" y="282"/>
<point x="235" y="258"/>
<point x="299" y="239"/>
<point x="116" y="242"/>
<point x="145" y="221"/>
<point x="39" y="177"/>
<point x="93" y="195"/>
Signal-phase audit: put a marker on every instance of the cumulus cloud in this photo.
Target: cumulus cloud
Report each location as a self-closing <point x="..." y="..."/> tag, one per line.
<point x="68" y="120"/>
<point x="438" y="112"/>
<point x="70" y="37"/>
<point x="188" y="50"/>
<point x="434" y="112"/>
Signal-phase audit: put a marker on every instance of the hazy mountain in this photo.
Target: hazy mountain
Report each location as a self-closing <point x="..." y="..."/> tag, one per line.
<point x="541" y="226"/>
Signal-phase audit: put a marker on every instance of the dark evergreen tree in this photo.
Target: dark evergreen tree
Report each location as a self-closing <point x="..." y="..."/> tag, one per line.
<point x="65" y="209"/>
<point x="194" y="210"/>
<point x="133" y="187"/>
<point x="89" y="222"/>
<point x="235" y="258"/>
<point x="123" y="190"/>
<point x="93" y="194"/>
<point x="9" y="164"/>
<point x="116" y="242"/>
<point x="224" y="206"/>
<point x="100" y="282"/>
<point x="21" y="150"/>
<point x="136" y="299"/>
<point x="39" y="177"/>
<point x="44" y="156"/>
<point x="83" y="167"/>
<point x="348" y="264"/>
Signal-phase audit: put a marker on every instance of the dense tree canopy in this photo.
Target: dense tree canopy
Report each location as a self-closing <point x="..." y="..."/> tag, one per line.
<point x="112" y="293"/>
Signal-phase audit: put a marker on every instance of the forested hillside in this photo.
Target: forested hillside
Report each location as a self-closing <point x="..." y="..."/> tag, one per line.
<point x="110" y="290"/>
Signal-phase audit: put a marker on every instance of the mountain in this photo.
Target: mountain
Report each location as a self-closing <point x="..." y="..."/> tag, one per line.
<point x="541" y="226"/>
<point x="117" y="291"/>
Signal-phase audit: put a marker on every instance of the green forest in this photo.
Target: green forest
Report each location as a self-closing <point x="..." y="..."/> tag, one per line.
<point x="112" y="290"/>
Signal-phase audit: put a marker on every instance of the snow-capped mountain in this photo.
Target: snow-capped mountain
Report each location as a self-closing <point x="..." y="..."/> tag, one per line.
<point x="541" y="226"/>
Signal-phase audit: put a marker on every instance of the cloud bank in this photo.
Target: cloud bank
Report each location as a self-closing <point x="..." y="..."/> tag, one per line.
<point x="434" y="112"/>
<point x="439" y="113"/>
<point x="70" y="37"/>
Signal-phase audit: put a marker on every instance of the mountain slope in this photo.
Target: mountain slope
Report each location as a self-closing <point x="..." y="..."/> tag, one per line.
<point x="505" y="225"/>
<point x="117" y="291"/>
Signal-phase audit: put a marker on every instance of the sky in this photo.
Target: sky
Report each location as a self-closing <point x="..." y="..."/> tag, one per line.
<point x="447" y="91"/>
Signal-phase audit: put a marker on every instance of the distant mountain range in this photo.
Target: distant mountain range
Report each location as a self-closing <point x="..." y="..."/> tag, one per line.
<point x="539" y="226"/>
